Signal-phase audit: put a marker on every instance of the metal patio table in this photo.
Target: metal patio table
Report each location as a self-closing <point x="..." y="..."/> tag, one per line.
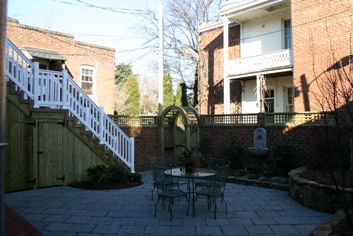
<point x="201" y="173"/>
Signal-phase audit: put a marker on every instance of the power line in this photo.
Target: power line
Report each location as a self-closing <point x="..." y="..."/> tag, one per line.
<point x="117" y="10"/>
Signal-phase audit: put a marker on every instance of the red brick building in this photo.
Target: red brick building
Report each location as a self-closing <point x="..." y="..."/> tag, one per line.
<point x="92" y="66"/>
<point x="278" y="53"/>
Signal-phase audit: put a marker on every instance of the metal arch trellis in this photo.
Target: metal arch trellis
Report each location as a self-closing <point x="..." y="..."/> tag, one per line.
<point x="182" y="119"/>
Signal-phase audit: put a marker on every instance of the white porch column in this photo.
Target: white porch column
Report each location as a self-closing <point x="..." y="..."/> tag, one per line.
<point x="258" y="91"/>
<point x="226" y="90"/>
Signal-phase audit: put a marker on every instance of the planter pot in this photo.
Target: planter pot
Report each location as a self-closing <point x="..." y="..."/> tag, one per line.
<point x="189" y="169"/>
<point x="192" y="168"/>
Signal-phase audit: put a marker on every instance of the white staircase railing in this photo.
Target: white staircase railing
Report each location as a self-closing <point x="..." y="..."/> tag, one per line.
<point x="58" y="90"/>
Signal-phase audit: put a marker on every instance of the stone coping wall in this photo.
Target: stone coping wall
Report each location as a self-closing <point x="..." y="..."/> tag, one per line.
<point x="319" y="197"/>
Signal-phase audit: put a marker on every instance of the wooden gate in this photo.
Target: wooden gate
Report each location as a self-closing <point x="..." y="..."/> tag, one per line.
<point x="179" y="136"/>
<point x="50" y="154"/>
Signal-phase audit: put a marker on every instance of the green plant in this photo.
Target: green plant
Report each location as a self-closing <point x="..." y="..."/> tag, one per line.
<point x="279" y="179"/>
<point x="285" y="157"/>
<point x="95" y="173"/>
<point x="101" y="173"/>
<point x="239" y="172"/>
<point x="188" y="156"/>
<point x="133" y="177"/>
<point x="115" y="173"/>
<point x="233" y="153"/>
<point x="120" y="174"/>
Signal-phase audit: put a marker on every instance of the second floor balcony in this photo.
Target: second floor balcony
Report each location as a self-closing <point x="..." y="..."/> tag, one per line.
<point x="245" y="10"/>
<point x="265" y="62"/>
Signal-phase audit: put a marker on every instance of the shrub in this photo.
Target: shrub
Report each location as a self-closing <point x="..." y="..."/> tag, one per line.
<point x="115" y="173"/>
<point x="95" y="173"/>
<point x="233" y="153"/>
<point x="285" y="157"/>
<point x="118" y="173"/>
<point x="133" y="177"/>
<point x="239" y="172"/>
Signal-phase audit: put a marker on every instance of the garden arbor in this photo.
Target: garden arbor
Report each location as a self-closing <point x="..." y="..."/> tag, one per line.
<point x="184" y="122"/>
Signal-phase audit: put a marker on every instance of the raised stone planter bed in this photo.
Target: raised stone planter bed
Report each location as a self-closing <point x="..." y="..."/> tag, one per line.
<point x="317" y="196"/>
<point x="325" y="229"/>
<point x="258" y="183"/>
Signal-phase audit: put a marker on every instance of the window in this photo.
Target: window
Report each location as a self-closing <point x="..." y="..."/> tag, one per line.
<point x="289" y="99"/>
<point x="43" y="64"/>
<point x="269" y="101"/>
<point x="87" y="79"/>
<point x="287" y="34"/>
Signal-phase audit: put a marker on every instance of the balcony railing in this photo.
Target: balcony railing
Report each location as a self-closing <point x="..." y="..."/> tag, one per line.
<point x="235" y="3"/>
<point x="263" y="62"/>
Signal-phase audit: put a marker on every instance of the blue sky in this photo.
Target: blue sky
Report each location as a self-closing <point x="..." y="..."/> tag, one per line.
<point x="109" y="28"/>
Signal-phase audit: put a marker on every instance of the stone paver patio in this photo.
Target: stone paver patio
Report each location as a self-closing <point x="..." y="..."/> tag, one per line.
<point x="251" y="211"/>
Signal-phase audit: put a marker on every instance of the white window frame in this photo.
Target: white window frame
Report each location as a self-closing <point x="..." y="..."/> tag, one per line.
<point x="287" y="36"/>
<point x="270" y="99"/>
<point x="94" y="78"/>
<point x="43" y="64"/>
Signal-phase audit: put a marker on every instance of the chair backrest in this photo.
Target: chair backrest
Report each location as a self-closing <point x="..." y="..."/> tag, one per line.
<point x="158" y="161"/>
<point x="214" y="162"/>
<point x="160" y="178"/>
<point x="221" y="176"/>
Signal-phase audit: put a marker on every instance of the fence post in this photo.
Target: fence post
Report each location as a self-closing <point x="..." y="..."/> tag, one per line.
<point x="64" y="90"/>
<point x="132" y="155"/>
<point x="36" y="86"/>
<point x="101" y="126"/>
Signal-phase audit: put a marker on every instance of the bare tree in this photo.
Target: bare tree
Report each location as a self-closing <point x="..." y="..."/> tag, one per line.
<point x="333" y="91"/>
<point x="121" y="106"/>
<point x="149" y="99"/>
<point x="181" y="37"/>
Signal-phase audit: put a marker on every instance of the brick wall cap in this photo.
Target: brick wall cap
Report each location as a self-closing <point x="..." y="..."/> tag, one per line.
<point x="204" y="27"/>
<point x="70" y="36"/>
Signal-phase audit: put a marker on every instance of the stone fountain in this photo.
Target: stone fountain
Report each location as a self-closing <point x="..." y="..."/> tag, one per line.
<point x="259" y="149"/>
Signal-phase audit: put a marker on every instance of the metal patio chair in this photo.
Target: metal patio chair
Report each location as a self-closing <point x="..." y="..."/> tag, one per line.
<point x="215" y="189"/>
<point x="212" y="164"/>
<point x="157" y="181"/>
<point x="167" y="191"/>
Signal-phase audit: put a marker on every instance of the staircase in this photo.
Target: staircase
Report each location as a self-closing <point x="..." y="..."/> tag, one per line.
<point x="54" y="90"/>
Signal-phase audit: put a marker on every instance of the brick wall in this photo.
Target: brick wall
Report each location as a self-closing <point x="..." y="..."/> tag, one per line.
<point x="304" y="138"/>
<point x="211" y="70"/>
<point x="322" y="35"/>
<point x="77" y="54"/>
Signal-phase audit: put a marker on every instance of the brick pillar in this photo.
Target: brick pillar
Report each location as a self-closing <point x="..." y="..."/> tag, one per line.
<point x="261" y="119"/>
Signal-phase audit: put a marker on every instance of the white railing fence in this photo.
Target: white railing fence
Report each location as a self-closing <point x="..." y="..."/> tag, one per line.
<point x="261" y="62"/>
<point x="58" y="90"/>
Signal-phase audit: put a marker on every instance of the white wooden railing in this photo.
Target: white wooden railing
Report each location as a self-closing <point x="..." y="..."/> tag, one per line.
<point x="237" y="2"/>
<point x="58" y="90"/>
<point x="278" y="59"/>
<point x="230" y="5"/>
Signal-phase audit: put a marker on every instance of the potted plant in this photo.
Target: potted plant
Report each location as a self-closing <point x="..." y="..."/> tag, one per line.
<point x="188" y="158"/>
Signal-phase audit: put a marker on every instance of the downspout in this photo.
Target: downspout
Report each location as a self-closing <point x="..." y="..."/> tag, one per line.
<point x="226" y="90"/>
<point x="3" y="20"/>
